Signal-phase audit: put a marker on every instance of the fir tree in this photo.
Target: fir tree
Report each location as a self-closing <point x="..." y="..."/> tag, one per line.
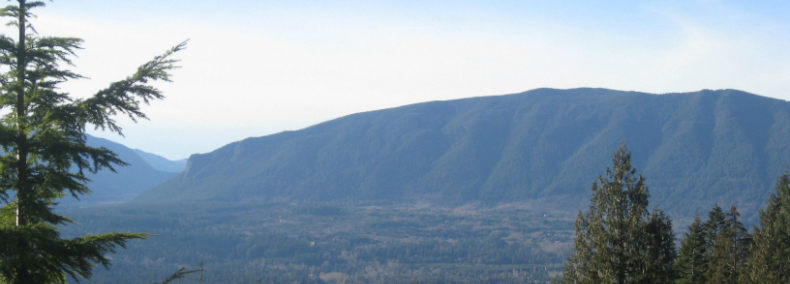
<point x="42" y="135"/>
<point x="770" y="255"/>
<point x="618" y="241"/>
<point x="660" y="261"/>
<point x="578" y="268"/>
<point x="692" y="259"/>
<point x="714" y="225"/>
<point x="730" y="251"/>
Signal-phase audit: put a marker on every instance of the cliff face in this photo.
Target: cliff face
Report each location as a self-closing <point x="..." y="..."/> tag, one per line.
<point x="694" y="148"/>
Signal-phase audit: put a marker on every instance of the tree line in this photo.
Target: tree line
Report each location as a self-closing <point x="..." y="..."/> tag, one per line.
<point x="620" y="241"/>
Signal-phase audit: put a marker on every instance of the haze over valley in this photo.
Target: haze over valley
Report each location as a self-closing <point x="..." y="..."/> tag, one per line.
<point x="435" y="142"/>
<point x="404" y="173"/>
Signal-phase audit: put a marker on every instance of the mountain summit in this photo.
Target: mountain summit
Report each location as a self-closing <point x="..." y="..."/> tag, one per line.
<point x="695" y="149"/>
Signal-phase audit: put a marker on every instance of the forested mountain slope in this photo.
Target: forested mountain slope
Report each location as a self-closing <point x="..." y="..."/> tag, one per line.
<point x="695" y="149"/>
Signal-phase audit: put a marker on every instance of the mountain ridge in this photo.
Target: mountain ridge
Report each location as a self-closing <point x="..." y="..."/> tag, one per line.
<point x="161" y="163"/>
<point x="695" y="148"/>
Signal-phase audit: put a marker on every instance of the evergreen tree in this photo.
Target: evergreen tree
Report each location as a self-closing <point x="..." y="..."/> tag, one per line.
<point x="730" y="251"/>
<point x="661" y="251"/>
<point x="692" y="260"/>
<point x="578" y="268"/>
<point x="42" y="134"/>
<point x="770" y="255"/>
<point x="618" y="241"/>
<point x="714" y="225"/>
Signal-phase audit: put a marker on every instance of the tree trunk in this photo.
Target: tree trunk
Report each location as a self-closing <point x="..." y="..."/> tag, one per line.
<point x="24" y="195"/>
<point x="24" y="192"/>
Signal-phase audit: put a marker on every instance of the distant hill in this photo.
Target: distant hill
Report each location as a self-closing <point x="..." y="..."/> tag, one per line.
<point x="160" y="163"/>
<point x="109" y="187"/>
<point x="695" y="149"/>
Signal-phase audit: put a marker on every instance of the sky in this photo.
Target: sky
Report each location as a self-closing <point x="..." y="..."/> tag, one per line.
<point x="254" y="68"/>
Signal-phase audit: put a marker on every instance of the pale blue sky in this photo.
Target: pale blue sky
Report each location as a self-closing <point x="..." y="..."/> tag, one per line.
<point x="254" y="68"/>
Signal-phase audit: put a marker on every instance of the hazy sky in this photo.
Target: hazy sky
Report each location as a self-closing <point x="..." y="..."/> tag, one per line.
<point x="254" y="68"/>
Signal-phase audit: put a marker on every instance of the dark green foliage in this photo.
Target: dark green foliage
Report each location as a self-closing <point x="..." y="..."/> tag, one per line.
<point x="661" y="254"/>
<point x="730" y="251"/>
<point x="618" y="241"/>
<point x="692" y="258"/>
<point x="770" y="255"/>
<point x="180" y="274"/>
<point x="713" y="226"/>
<point x="697" y="148"/>
<point x="53" y="256"/>
<point x="581" y="264"/>
<point x="45" y="156"/>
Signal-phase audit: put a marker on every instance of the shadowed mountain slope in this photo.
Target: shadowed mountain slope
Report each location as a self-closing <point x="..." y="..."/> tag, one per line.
<point x="694" y="149"/>
<point x="128" y="182"/>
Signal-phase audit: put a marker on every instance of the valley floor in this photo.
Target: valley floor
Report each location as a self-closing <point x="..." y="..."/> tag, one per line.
<point x="334" y="243"/>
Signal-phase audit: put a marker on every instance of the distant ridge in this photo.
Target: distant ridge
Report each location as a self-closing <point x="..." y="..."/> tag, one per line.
<point x="161" y="163"/>
<point x="695" y="149"/>
<point x="128" y="182"/>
